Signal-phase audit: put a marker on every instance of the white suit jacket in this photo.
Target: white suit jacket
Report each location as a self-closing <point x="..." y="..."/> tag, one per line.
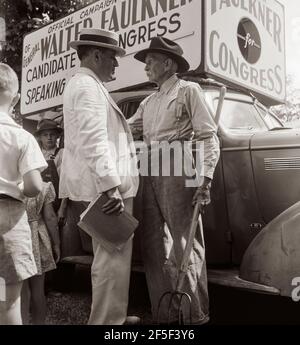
<point x="99" y="153"/>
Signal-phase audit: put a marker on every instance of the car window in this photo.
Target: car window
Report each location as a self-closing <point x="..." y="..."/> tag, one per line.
<point x="271" y="119"/>
<point x="238" y="116"/>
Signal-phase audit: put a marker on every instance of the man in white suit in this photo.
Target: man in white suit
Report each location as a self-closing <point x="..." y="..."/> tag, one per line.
<point x="98" y="147"/>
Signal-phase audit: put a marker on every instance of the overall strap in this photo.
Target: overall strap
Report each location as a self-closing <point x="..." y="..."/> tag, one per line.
<point x="52" y="157"/>
<point x="56" y="151"/>
<point x="180" y="108"/>
<point x="180" y="103"/>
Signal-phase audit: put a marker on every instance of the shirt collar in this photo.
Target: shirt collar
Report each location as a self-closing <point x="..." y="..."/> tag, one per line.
<point x="5" y="119"/>
<point x="168" y="84"/>
<point x="49" y="152"/>
<point x="88" y="71"/>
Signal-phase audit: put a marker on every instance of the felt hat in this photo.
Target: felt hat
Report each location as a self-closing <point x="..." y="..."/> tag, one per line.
<point x="165" y="46"/>
<point x="47" y="124"/>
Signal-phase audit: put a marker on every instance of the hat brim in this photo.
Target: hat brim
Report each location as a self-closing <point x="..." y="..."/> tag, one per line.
<point x="119" y="51"/>
<point x="59" y="130"/>
<point x="183" y="65"/>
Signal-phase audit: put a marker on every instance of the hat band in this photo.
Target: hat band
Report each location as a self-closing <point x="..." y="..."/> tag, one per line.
<point x="97" y="38"/>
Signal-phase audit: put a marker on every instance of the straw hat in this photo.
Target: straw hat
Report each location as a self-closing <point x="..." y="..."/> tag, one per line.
<point x="99" y="38"/>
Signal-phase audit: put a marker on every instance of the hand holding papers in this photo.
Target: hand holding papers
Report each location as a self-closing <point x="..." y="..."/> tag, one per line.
<point x="113" y="231"/>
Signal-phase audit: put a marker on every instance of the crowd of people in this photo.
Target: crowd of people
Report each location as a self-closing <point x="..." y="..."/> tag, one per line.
<point x="40" y="183"/>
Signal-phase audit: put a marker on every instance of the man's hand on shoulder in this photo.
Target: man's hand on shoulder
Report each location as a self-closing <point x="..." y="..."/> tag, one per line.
<point x="115" y="204"/>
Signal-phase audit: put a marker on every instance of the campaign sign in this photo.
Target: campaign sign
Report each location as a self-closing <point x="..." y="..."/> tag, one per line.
<point x="49" y="61"/>
<point x="245" y="44"/>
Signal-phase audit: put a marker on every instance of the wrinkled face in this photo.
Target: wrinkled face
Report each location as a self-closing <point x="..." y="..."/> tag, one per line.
<point x="48" y="139"/>
<point x="156" y="67"/>
<point x="107" y="64"/>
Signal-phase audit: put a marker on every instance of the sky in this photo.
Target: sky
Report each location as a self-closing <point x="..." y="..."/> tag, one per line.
<point x="292" y="35"/>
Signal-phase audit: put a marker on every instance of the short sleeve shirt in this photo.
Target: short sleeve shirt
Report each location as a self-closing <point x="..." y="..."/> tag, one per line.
<point x="19" y="154"/>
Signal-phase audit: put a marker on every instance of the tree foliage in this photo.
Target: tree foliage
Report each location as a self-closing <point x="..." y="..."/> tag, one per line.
<point x="290" y="111"/>
<point x="24" y="16"/>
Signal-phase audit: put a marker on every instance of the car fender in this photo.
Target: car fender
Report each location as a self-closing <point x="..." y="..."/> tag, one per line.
<point x="273" y="257"/>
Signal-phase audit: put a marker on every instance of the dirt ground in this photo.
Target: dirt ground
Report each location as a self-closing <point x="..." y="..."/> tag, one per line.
<point x="72" y="307"/>
<point x="228" y="306"/>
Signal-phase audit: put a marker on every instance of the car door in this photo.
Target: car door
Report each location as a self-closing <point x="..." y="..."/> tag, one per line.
<point x="260" y="161"/>
<point x="276" y="166"/>
<point x="239" y="122"/>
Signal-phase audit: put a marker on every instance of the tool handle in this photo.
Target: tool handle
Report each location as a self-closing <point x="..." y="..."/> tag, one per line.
<point x="190" y="239"/>
<point x="188" y="247"/>
<point x="220" y="104"/>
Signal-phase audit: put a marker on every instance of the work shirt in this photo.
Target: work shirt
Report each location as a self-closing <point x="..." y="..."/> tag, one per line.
<point x="99" y="153"/>
<point x="161" y="120"/>
<point x="19" y="154"/>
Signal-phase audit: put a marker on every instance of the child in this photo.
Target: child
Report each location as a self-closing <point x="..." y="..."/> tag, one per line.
<point x="45" y="244"/>
<point x="21" y="161"/>
<point x="47" y="133"/>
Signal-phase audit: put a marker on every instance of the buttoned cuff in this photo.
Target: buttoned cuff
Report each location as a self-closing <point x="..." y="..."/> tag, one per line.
<point x="106" y="183"/>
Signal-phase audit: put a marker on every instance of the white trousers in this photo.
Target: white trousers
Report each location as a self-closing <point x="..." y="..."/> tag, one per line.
<point x="110" y="282"/>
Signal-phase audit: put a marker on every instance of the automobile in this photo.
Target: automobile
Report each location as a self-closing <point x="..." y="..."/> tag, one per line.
<point x="255" y="182"/>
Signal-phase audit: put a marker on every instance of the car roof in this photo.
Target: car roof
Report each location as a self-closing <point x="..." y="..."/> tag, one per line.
<point x="118" y="96"/>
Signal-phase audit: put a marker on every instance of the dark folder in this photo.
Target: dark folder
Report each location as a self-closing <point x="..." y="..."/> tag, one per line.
<point x="112" y="231"/>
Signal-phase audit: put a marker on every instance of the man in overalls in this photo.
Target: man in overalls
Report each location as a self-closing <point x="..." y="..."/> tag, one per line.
<point x="176" y="115"/>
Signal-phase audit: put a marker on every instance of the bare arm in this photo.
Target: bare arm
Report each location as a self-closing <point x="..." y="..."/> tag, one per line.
<point x="32" y="183"/>
<point x="62" y="211"/>
<point x="50" y="219"/>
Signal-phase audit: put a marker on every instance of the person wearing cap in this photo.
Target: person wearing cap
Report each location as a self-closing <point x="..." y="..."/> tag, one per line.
<point x="97" y="155"/>
<point x="175" y="114"/>
<point x="47" y="133"/>
<point x="21" y="162"/>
